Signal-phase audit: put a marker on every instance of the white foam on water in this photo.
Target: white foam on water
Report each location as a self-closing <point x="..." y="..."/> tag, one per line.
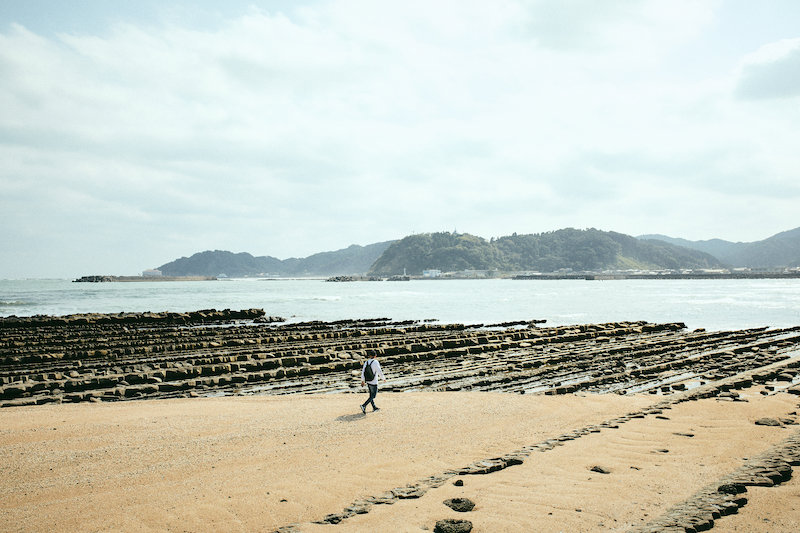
<point x="710" y="304"/>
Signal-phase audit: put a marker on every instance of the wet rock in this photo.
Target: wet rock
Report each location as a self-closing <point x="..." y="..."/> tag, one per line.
<point x="143" y="348"/>
<point x="406" y="493"/>
<point x="450" y="525"/>
<point x="732" y="488"/>
<point x="758" y="481"/>
<point x="361" y="507"/>
<point x="387" y="498"/>
<point x="333" y="518"/>
<point x="513" y="459"/>
<point x="461" y="505"/>
<point x="11" y="392"/>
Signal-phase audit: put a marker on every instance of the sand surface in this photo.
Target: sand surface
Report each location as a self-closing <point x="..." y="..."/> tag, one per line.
<point x="259" y="463"/>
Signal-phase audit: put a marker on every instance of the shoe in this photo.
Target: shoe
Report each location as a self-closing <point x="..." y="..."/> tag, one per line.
<point x="363" y="409"/>
<point x="376" y="408"/>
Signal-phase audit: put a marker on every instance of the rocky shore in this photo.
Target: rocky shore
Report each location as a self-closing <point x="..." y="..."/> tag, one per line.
<point x="651" y="426"/>
<point x="160" y="355"/>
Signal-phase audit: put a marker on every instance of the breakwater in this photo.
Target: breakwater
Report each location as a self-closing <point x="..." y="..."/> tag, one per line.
<point x="116" y="357"/>
<point x="108" y="279"/>
<point x="592" y="276"/>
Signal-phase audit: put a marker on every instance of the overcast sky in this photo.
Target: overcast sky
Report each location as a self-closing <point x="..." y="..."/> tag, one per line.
<point x="136" y="132"/>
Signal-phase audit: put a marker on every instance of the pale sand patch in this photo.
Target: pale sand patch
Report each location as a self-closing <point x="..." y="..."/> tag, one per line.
<point x="557" y="491"/>
<point x="225" y="464"/>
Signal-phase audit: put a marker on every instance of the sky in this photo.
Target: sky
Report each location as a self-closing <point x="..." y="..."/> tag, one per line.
<point x="133" y="133"/>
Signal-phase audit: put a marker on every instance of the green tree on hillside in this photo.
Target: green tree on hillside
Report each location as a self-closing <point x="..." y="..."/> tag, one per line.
<point x="579" y="250"/>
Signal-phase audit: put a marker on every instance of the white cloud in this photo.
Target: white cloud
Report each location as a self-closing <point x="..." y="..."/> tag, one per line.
<point x="287" y="133"/>
<point x="773" y="71"/>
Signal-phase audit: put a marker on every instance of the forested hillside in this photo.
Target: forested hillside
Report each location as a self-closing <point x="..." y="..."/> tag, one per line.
<point x="780" y="250"/>
<point x="574" y="249"/>
<point x="578" y="250"/>
<point x="352" y="260"/>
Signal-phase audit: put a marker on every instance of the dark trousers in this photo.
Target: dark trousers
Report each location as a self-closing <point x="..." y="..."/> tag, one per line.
<point x="373" y="391"/>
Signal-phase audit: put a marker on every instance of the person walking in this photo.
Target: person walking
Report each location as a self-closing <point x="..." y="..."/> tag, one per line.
<point x="370" y="373"/>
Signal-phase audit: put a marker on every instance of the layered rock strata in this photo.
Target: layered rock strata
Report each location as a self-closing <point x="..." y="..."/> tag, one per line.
<point x="727" y="495"/>
<point x="160" y="355"/>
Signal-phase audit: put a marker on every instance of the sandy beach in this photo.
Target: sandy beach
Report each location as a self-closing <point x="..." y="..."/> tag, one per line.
<point x="264" y="463"/>
<point x="213" y="422"/>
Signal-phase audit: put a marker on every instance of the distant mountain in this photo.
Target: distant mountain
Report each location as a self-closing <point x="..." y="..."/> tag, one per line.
<point x="569" y="248"/>
<point x="352" y="260"/>
<point x="780" y="250"/>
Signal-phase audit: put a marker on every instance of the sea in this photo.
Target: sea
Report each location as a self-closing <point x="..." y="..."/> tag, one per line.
<point x="711" y="304"/>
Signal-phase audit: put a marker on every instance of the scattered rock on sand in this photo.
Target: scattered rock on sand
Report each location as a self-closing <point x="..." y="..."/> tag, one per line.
<point x="768" y="422"/>
<point x="462" y="505"/>
<point x="450" y="525"/>
<point x="600" y="469"/>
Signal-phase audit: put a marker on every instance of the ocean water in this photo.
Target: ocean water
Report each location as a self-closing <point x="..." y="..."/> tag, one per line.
<point x="710" y="304"/>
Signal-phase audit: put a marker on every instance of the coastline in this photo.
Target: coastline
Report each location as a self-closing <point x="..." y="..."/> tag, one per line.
<point x="587" y="276"/>
<point x="234" y="421"/>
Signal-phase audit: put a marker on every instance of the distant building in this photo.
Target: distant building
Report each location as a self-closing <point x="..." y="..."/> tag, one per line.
<point x="151" y="273"/>
<point x="433" y="273"/>
<point x="471" y="274"/>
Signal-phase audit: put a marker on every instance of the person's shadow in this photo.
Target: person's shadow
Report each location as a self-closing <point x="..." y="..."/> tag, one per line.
<point x="350" y="418"/>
